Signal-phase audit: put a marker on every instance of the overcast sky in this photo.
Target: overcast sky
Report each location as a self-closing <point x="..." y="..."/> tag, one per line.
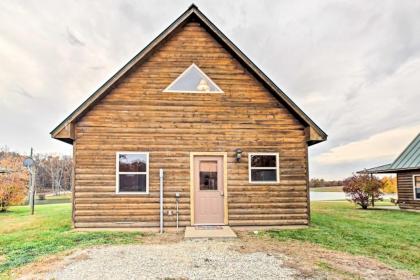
<point x="352" y="66"/>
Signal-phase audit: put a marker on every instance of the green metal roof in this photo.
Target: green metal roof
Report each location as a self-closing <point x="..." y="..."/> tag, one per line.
<point x="377" y="169"/>
<point x="409" y="159"/>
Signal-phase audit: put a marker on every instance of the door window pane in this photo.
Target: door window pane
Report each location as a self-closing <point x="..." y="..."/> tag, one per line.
<point x="208" y="181"/>
<point x="132" y="162"/>
<point x="208" y="175"/>
<point x="132" y="182"/>
<point x="262" y="175"/>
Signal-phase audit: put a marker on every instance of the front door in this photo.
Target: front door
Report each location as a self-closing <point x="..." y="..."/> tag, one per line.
<point x="208" y="190"/>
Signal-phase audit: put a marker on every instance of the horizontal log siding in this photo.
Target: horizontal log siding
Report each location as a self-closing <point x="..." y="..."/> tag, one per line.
<point x="405" y="190"/>
<point x="138" y="116"/>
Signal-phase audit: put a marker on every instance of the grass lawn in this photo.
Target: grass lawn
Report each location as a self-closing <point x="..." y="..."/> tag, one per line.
<point x="24" y="238"/>
<point x="328" y="189"/>
<point x="392" y="237"/>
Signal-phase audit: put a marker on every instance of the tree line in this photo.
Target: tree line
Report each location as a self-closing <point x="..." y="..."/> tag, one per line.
<point x="53" y="174"/>
<point x="319" y="183"/>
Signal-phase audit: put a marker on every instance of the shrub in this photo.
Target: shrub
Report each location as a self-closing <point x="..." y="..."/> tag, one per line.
<point x="363" y="189"/>
<point x="10" y="194"/>
<point x="389" y="184"/>
<point x="13" y="185"/>
<point x="41" y="196"/>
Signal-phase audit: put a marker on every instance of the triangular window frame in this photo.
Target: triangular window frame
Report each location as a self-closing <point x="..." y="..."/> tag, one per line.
<point x="218" y="89"/>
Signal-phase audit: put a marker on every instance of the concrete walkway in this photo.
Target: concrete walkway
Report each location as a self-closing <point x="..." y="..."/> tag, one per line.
<point x="209" y="232"/>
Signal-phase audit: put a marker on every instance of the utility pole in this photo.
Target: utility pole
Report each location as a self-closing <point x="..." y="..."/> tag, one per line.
<point x="29" y="163"/>
<point x="30" y="180"/>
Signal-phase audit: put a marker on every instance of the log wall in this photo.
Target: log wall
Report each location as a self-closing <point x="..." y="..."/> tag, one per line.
<point x="137" y="116"/>
<point x="406" y="191"/>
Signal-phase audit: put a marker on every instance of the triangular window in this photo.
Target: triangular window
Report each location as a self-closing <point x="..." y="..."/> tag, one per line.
<point x="193" y="80"/>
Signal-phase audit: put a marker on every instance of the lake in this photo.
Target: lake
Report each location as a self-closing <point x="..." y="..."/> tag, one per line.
<point x="319" y="196"/>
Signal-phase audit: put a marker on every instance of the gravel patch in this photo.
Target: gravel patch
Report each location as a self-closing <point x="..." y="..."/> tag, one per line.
<point x="195" y="259"/>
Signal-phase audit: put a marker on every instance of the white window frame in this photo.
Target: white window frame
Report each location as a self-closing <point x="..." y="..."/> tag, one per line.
<point x="277" y="168"/>
<point x="167" y="89"/>
<point x="117" y="172"/>
<point x="414" y="186"/>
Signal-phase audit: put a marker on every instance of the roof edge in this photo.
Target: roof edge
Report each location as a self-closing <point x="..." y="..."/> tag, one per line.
<point x="384" y="171"/>
<point x="375" y="169"/>
<point x="193" y="9"/>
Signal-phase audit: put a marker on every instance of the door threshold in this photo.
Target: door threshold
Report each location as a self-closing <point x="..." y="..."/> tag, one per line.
<point x="208" y="227"/>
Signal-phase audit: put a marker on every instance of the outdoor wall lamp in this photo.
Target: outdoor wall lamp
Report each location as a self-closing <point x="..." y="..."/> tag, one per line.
<point x="238" y="154"/>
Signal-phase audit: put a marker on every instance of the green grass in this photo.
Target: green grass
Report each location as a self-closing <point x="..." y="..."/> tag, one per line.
<point x="24" y="238"/>
<point x="328" y="189"/>
<point x="389" y="236"/>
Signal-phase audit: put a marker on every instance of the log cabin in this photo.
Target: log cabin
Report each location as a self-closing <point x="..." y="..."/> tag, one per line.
<point x="407" y="168"/>
<point x="189" y="132"/>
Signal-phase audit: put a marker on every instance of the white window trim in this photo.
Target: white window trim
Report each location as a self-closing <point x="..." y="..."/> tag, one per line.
<point x="117" y="173"/>
<point x="277" y="168"/>
<point x="193" y="91"/>
<point x="414" y="186"/>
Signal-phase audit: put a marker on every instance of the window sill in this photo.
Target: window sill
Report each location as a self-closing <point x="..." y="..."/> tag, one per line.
<point x="132" y="193"/>
<point x="264" y="183"/>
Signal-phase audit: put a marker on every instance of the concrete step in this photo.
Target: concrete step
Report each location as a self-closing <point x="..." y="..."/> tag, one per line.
<point x="209" y="232"/>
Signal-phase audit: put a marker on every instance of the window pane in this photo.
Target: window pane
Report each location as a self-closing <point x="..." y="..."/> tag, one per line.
<point x="132" y="182"/>
<point x="261" y="175"/>
<point x="417" y="193"/>
<point x="194" y="80"/>
<point x="263" y="161"/>
<point x="417" y="181"/>
<point x="132" y="162"/>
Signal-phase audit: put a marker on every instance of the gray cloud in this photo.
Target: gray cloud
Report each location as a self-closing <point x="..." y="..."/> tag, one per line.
<point x="73" y="39"/>
<point x="22" y="92"/>
<point x="353" y="66"/>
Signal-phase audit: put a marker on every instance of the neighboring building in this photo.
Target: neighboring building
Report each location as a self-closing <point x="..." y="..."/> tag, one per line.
<point x="407" y="168"/>
<point x="230" y="142"/>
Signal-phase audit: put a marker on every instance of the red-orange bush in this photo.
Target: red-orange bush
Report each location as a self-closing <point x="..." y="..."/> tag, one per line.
<point x="363" y="189"/>
<point x="13" y="184"/>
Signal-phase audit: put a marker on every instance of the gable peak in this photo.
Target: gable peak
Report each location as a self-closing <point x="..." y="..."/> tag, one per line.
<point x="193" y="6"/>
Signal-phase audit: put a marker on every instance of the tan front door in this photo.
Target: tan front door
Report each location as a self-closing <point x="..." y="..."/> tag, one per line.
<point x="208" y="190"/>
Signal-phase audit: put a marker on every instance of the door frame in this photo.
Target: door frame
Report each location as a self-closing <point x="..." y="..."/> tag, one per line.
<point x="192" y="189"/>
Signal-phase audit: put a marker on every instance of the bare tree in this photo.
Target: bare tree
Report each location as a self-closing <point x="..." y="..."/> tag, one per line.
<point x="54" y="172"/>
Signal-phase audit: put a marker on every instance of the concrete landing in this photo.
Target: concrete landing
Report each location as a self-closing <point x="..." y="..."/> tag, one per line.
<point x="209" y="232"/>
